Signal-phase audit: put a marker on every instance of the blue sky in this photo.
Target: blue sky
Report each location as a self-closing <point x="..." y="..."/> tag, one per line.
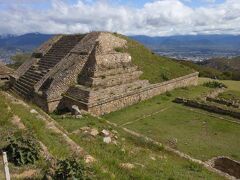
<point x="45" y="4"/>
<point x="147" y="17"/>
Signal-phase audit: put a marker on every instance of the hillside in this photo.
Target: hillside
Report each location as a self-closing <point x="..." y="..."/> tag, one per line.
<point x="220" y="68"/>
<point x="224" y="64"/>
<point x="155" y="68"/>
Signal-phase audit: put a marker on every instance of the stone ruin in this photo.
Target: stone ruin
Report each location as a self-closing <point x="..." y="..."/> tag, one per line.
<point x="5" y="72"/>
<point x="84" y="70"/>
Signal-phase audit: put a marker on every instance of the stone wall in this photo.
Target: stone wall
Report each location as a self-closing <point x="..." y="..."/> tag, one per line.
<point x="209" y="107"/>
<point x="120" y="101"/>
<point x="235" y="104"/>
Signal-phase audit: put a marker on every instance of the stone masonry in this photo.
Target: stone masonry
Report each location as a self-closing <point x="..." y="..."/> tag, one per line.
<point x="85" y="70"/>
<point x="5" y="73"/>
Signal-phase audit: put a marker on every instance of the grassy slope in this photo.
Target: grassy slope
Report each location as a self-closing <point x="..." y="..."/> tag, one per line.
<point x="224" y="64"/>
<point x="38" y="128"/>
<point x="132" y="150"/>
<point x="155" y="68"/>
<point x="6" y="129"/>
<point x="203" y="71"/>
<point x="197" y="132"/>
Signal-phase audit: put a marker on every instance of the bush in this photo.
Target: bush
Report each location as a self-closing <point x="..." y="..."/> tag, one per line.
<point x="68" y="169"/>
<point x="214" y="84"/>
<point x="168" y="94"/>
<point x="22" y="149"/>
<point x="165" y="76"/>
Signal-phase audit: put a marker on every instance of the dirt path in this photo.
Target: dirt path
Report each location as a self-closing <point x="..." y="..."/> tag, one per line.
<point x="26" y="174"/>
<point x="17" y="122"/>
<point x="144" y="117"/>
<point x="54" y="127"/>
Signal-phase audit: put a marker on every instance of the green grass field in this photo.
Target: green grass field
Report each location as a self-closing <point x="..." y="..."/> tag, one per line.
<point x="198" y="133"/>
<point x="151" y="162"/>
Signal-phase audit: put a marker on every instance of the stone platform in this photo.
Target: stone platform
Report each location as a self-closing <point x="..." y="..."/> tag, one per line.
<point x="85" y="70"/>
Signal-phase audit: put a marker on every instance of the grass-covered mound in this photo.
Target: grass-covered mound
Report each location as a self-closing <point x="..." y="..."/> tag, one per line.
<point x="154" y="67"/>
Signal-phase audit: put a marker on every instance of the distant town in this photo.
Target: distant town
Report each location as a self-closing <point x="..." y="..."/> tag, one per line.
<point x="196" y="55"/>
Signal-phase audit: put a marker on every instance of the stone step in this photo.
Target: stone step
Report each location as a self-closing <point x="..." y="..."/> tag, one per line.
<point x="50" y="63"/>
<point x="28" y="86"/>
<point x="35" y="71"/>
<point x="45" y="67"/>
<point x="22" y="88"/>
<point x="34" y="74"/>
<point x="28" y="81"/>
<point x="44" y="70"/>
<point x="57" y="51"/>
<point x="54" y="56"/>
<point x="61" y="47"/>
<point x="53" y="59"/>
<point x="30" y="77"/>
<point x="18" y="92"/>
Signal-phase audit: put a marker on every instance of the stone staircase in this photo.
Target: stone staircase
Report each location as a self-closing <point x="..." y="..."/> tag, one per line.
<point x="24" y="86"/>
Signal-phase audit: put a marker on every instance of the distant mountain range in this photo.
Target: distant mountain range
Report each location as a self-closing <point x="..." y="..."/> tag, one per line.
<point x="26" y="42"/>
<point x="12" y="44"/>
<point x="192" y="41"/>
<point x="191" y="47"/>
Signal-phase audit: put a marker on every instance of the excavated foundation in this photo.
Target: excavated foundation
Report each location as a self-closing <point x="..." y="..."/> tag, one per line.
<point x="227" y="165"/>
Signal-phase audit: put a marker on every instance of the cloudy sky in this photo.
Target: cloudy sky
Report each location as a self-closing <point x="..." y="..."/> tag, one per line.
<point x="148" y="17"/>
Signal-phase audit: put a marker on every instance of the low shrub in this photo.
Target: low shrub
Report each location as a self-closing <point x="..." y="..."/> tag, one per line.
<point x="68" y="169"/>
<point x="168" y="94"/>
<point x="165" y="76"/>
<point x="214" y="84"/>
<point x="22" y="149"/>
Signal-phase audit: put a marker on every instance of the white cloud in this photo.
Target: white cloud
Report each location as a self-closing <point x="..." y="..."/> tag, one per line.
<point x="160" y="17"/>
